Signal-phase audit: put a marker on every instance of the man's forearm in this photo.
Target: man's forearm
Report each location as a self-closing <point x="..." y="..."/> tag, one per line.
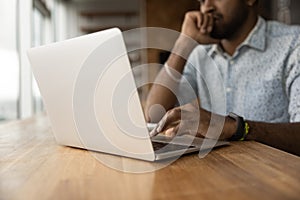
<point x="285" y="136"/>
<point x="168" y="79"/>
<point x="180" y="53"/>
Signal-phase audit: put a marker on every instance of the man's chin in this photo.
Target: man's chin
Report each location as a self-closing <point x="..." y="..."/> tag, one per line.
<point x="217" y="36"/>
<point x="219" y="32"/>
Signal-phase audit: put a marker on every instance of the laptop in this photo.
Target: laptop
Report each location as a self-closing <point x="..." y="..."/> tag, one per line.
<point x="90" y="96"/>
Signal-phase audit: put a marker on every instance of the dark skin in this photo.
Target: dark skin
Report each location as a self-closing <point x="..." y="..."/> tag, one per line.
<point x="210" y="25"/>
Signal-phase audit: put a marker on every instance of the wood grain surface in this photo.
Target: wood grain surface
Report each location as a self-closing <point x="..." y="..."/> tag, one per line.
<point x="33" y="166"/>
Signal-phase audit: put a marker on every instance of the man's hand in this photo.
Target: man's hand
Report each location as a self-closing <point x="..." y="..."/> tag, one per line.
<point x="198" y="26"/>
<point x="193" y="120"/>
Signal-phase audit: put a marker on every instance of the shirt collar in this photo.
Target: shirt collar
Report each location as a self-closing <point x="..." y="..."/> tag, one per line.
<point x="256" y="39"/>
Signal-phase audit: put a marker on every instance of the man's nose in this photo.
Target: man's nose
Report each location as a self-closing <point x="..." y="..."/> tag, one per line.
<point x="207" y="6"/>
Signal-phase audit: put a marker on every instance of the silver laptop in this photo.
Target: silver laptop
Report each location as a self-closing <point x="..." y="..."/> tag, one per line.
<point x="91" y="98"/>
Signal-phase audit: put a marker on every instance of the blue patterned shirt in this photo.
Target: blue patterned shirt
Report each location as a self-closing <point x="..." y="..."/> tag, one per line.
<point x="260" y="82"/>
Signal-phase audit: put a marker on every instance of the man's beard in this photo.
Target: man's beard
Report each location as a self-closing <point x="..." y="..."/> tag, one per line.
<point x="223" y="30"/>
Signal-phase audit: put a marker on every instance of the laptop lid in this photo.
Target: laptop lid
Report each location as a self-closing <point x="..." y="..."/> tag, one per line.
<point x="85" y="83"/>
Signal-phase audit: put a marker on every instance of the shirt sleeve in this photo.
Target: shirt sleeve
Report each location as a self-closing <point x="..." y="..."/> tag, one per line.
<point x="293" y="85"/>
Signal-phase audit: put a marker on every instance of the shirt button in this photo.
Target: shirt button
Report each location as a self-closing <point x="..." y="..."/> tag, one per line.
<point x="231" y="62"/>
<point x="228" y="89"/>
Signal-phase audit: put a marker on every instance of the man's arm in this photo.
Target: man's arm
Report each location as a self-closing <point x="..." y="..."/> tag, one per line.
<point x="160" y="93"/>
<point x="284" y="136"/>
<point x="195" y="29"/>
<point x="197" y="122"/>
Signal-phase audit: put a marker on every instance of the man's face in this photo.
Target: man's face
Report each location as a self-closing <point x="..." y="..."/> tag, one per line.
<point x="229" y="16"/>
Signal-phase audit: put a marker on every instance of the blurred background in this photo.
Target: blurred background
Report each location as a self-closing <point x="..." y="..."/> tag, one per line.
<point x="29" y="23"/>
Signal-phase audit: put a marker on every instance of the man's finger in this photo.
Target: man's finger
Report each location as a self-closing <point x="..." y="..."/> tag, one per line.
<point x="158" y="128"/>
<point x="204" y="24"/>
<point x="153" y="132"/>
<point x="210" y="23"/>
<point x="171" y="132"/>
<point x="169" y="118"/>
<point x="199" y="20"/>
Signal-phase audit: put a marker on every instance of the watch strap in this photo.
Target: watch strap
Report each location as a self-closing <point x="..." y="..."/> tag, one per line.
<point x="240" y="131"/>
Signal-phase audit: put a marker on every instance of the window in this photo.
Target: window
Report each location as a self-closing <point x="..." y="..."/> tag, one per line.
<point x="9" y="62"/>
<point x="38" y="39"/>
<point x="25" y="24"/>
<point x="41" y="34"/>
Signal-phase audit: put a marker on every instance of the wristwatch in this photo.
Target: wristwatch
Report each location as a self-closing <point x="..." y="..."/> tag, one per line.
<point x="240" y="131"/>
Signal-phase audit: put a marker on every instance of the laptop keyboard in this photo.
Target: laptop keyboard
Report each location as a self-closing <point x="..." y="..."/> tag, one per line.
<point x="160" y="147"/>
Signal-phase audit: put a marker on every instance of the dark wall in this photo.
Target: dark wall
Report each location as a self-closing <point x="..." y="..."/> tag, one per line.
<point x="270" y="9"/>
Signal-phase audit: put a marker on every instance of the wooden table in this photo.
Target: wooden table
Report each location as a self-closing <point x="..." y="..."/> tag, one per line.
<point x="33" y="166"/>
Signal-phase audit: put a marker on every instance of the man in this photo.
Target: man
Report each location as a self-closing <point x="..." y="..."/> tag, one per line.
<point x="258" y="65"/>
